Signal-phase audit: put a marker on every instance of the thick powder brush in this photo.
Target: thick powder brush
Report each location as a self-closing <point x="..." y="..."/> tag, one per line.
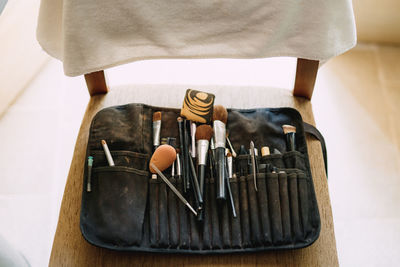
<point x="220" y="117"/>
<point x="203" y="136"/>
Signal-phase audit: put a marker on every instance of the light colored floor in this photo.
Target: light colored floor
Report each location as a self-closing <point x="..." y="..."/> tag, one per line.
<point x="355" y="105"/>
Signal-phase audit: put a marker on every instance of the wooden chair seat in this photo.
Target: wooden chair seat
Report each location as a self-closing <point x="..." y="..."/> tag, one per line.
<point x="70" y="248"/>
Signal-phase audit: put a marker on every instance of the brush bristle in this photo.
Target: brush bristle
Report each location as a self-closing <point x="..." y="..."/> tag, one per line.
<point x="157" y="116"/>
<point x="220" y="114"/>
<point x="204" y="132"/>
<point x="229" y="154"/>
<point x="288" y="129"/>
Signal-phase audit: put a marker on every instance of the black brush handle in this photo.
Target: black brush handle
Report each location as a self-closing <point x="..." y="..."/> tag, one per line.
<point x="201" y="175"/>
<point x="202" y="172"/>
<point x="181" y="143"/>
<point x="195" y="184"/>
<point x="221" y="166"/>
<point x="291" y="141"/>
<point x="186" y="131"/>
<point x="231" y="200"/>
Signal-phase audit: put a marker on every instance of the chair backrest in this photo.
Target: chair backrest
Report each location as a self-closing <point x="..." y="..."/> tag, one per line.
<point x="306" y="73"/>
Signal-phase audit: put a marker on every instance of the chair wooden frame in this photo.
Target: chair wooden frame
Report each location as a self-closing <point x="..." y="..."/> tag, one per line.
<point x="306" y="74"/>
<point x="70" y="248"/>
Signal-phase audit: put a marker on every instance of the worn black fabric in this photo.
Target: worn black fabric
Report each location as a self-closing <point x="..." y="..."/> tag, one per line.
<point x="285" y="207"/>
<point x="235" y="221"/>
<point x="274" y="208"/>
<point x="128" y="210"/>
<point x="173" y="220"/>
<point x="263" y="209"/>
<point x="184" y="230"/>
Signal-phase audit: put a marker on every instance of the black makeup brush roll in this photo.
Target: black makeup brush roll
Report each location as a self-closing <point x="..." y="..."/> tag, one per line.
<point x="127" y="210"/>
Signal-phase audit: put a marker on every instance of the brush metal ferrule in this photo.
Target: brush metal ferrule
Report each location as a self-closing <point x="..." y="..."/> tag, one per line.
<point x="229" y="162"/>
<point x="212" y="143"/>
<point x="178" y="165"/>
<point x="219" y="134"/>
<point x="156" y="132"/>
<point x="173" y="169"/>
<point x="193" y="133"/>
<point x="202" y="149"/>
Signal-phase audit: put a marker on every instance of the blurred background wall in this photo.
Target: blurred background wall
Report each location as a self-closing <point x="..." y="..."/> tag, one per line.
<point x="377" y="22"/>
<point x="17" y="44"/>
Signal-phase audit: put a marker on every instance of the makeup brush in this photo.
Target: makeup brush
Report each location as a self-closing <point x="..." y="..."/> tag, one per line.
<point x="193" y="134"/>
<point x="229" y="163"/>
<point x="276" y="151"/>
<point x="228" y="184"/>
<point x="195" y="185"/>
<point x="107" y="153"/>
<point x="182" y="144"/>
<point x="290" y="132"/>
<point x="162" y="158"/>
<point x="265" y="151"/>
<point x="156" y="129"/>
<point x="186" y="155"/>
<point x="89" y="179"/>
<point x="172" y="142"/>
<point x="253" y="163"/>
<point x="230" y="145"/>
<point x="203" y="135"/>
<point x="220" y="117"/>
<point x="178" y="164"/>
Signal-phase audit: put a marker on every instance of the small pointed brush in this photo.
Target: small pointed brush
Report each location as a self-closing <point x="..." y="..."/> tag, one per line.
<point x="156" y="129"/>
<point x="230" y="146"/>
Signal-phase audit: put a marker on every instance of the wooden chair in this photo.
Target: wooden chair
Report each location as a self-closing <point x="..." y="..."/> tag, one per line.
<point x="70" y="248"/>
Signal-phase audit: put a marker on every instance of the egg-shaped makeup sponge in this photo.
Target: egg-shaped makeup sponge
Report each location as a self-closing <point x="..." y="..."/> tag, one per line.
<point x="163" y="157"/>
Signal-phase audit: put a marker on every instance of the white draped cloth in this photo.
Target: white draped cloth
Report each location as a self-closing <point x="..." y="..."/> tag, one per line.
<point x="91" y="35"/>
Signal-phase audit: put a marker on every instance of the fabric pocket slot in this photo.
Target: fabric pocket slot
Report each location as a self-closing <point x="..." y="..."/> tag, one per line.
<point x="173" y="217"/>
<point x="194" y="227"/>
<point x="263" y="209"/>
<point x="129" y="159"/>
<point x="285" y="208"/>
<point x="225" y="225"/>
<point x="275" y="160"/>
<point x="116" y="206"/>
<point x="294" y="159"/>
<point x="244" y="212"/>
<point x="184" y="235"/>
<point x="294" y="207"/>
<point x="253" y="207"/>
<point x="207" y="214"/>
<point x="305" y="203"/>
<point x="163" y="215"/>
<point x="215" y="233"/>
<point x="153" y="211"/>
<point x="274" y="208"/>
<point x="241" y="165"/>
<point x="235" y="222"/>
